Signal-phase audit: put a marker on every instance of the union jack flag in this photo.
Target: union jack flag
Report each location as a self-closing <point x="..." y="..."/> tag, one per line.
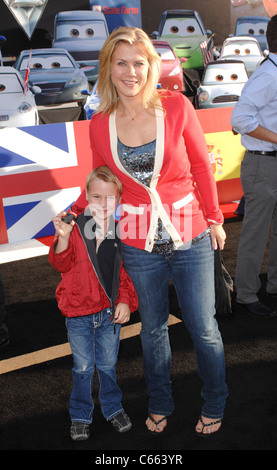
<point x="207" y="51"/>
<point x="42" y="171"/>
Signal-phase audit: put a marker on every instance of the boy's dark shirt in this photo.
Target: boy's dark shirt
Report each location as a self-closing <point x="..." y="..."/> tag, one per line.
<point x="105" y="255"/>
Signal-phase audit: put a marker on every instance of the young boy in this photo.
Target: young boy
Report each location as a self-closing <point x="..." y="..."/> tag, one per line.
<point x="96" y="296"/>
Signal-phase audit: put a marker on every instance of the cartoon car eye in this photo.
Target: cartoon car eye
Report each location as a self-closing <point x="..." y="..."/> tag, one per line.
<point x="237" y="51"/>
<point x="251" y="31"/>
<point x="219" y="78"/>
<point x="234" y="76"/>
<point x="261" y="31"/>
<point x="247" y="51"/>
<point x="89" y="32"/>
<point x="174" y="29"/>
<point x="55" y="65"/>
<point x="190" y="29"/>
<point x="37" y="65"/>
<point x="182" y="27"/>
<point x="2" y="87"/>
<point x="74" y="33"/>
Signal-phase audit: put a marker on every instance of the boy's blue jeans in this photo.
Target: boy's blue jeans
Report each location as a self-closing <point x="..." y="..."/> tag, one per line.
<point x="192" y="273"/>
<point x="94" y="344"/>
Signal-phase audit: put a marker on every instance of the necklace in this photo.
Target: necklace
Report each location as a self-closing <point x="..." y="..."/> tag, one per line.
<point x="132" y="117"/>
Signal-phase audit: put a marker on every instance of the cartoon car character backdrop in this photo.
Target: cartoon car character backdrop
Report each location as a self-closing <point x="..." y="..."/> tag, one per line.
<point x="243" y="48"/>
<point x="185" y="32"/>
<point x="250" y="17"/>
<point x="221" y="84"/>
<point x="57" y="74"/>
<point x="118" y="13"/>
<point x="253" y="26"/>
<point x="82" y="33"/>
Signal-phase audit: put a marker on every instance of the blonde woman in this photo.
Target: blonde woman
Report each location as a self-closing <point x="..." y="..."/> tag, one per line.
<point x="170" y="218"/>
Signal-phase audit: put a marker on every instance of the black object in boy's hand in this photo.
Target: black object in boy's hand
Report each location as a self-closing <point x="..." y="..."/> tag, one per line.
<point x="69" y="217"/>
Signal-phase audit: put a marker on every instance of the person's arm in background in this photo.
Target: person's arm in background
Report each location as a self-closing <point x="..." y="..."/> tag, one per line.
<point x="256" y="95"/>
<point x="262" y="133"/>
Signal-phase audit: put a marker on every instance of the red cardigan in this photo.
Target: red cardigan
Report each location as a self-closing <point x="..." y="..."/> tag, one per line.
<point x="182" y="191"/>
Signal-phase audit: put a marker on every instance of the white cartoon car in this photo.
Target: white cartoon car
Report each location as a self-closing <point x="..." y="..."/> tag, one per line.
<point x="17" y="109"/>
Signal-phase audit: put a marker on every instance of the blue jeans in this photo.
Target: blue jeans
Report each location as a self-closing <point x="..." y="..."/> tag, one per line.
<point x="192" y="273"/>
<point x="94" y="343"/>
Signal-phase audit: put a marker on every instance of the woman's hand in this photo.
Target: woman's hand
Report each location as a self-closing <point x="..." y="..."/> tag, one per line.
<point x="218" y="236"/>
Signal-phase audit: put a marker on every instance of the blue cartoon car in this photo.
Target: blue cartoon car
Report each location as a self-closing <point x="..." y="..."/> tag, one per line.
<point x="254" y="26"/>
<point x="82" y="33"/>
<point x="56" y="73"/>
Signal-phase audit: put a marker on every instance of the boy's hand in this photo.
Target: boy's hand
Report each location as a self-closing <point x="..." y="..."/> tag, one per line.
<point x="122" y="313"/>
<point x="62" y="229"/>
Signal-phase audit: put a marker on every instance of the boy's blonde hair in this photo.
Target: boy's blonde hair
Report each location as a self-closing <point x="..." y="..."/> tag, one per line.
<point x="103" y="173"/>
<point x="106" y="89"/>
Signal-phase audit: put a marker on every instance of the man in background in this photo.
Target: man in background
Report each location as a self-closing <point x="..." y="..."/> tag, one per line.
<point x="255" y="118"/>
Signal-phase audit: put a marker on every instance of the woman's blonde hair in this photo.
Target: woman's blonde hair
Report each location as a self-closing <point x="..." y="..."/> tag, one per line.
<point x="106" y="89"/>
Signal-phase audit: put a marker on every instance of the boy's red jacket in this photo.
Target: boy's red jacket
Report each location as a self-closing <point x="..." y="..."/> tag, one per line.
<point x="80" y="291"/>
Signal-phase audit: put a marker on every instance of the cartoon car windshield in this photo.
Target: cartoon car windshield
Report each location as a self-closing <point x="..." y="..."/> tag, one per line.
<point x="241" y="48"/>
<point x="181" y="27"/>
<point x="9" y="83"/>
<point x="215" y="75"/>
<point x="80" y="29"/>
<point x="165" y="53"/>
<point x="46" y="61"/>
<point x="253" y="29"/>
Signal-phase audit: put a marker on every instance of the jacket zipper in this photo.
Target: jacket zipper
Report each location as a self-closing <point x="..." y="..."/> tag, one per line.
<point x="110" y="300"/>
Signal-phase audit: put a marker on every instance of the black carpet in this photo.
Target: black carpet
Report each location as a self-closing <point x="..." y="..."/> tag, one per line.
<point x="34" y="400"/>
